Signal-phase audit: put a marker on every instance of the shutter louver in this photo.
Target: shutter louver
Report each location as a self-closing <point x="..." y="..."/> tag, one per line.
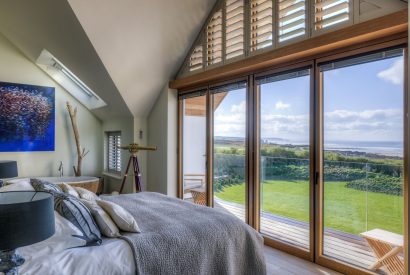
<point x="291" y="19"/>
<point x="331" y="12"/>
<point x="214" y="39"/>
<point x="114" y="152"/>
<point x="261" y="28"/>
<point x="195" y="61"/>
<point x="234" y="28"/>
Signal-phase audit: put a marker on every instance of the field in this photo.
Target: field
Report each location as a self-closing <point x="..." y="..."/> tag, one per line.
<point x="346" y="209"/>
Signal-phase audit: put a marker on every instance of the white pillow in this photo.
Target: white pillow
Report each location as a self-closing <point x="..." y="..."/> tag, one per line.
<point x="17" y="180"/>
<point x="62" y="239"/>
<point x="86" y="194"/>
<point x="122" y="218"/>
<point x="68" y="189"/>
<point x="103" y="220"/>
<point x="17" y="185"/>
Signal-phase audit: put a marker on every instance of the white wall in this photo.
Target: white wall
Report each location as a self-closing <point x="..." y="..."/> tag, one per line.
<point x="17" y="68"/>
<point x="141" y="124"/>
<point x="162" y="132"/>
<point x="172" y="142"/>
<point x="194" y="138"/>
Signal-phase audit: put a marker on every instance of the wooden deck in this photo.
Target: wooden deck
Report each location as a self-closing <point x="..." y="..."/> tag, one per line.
<point x="340" y="245"/>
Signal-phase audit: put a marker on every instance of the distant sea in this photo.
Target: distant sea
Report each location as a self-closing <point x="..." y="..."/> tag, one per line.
<point x="386" y="148"/>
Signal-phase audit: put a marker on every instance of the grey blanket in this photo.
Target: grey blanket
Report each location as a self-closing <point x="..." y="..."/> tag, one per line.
<point x="179" y="237"/>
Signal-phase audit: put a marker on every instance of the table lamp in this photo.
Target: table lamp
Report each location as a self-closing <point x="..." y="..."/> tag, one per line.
<point x="8" y="169"/>
<point x="27" y="217"/>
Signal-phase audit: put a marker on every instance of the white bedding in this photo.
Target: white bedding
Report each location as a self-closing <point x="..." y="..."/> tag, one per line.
<point x="56" y="255"/>
<point x="113" y="257"/>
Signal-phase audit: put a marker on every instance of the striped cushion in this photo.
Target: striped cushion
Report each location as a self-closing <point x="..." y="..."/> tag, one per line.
<point x="45" y="186"/>
<point x="77" y="213"/>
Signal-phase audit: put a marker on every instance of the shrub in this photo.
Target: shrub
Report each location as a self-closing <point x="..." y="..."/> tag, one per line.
<point x="382" y="184"/>
<point x="221" y="183"/>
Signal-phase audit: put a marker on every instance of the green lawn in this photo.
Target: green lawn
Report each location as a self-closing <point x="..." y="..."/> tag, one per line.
<point x="346" y="209"/>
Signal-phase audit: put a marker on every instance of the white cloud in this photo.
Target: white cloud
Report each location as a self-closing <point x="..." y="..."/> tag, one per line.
<point x="394" y="74"/>
<point x="281" y="106"/>
<point x="379" y="124"/>
<point x="241" y="107"/>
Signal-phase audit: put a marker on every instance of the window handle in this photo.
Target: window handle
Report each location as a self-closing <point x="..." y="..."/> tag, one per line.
<point x="316" y="178"/>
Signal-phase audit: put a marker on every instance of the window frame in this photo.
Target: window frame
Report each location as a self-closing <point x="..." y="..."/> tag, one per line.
<point x="118" y="156"/>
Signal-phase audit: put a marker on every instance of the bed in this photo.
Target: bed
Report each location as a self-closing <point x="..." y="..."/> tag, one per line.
<point x="177" y="237"/>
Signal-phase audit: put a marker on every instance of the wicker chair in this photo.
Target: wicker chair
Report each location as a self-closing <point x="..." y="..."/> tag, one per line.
<point x="199" y="196"/>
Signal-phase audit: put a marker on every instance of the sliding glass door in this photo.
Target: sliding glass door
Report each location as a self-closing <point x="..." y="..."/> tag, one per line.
<point x="194" y="132"/>
<point x="362" y="161"/>
<point x="313" y="155"/>
<point x="229" y="118"/>
<point x="284" y="157"/>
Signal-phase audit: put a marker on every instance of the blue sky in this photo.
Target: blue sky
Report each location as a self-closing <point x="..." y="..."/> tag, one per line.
<point x="362" y="102"/>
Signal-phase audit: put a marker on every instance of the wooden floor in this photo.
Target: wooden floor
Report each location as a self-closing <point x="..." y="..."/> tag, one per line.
<point x="337" y="244"/>
<point x="280" y="263"/>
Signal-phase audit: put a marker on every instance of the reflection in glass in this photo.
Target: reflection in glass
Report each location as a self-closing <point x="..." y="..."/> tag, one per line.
<point x="194" y="149"/>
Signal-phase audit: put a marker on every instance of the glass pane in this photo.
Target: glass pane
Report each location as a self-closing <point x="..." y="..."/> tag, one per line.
<point x="194" y="149"/>
<point x="284" y="157"/>
<point x="229" y="149"/>
<point x="363" y="162"/>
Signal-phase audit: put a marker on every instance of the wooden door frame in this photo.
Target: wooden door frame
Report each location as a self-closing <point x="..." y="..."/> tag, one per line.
<point x="294" y="250"/>
<point x="248" y="153"/>
<point x="180" y="134"/>
<point x="320" y="258"/>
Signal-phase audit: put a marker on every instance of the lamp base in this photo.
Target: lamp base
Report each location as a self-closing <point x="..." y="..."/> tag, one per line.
<point x="10" y="260"/>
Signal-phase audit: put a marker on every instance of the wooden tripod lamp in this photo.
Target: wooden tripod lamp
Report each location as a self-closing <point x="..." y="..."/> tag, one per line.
<point x="134" y="148"/>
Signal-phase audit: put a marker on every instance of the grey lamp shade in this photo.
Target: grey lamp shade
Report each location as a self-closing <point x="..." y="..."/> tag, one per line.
<point x="8" y="169"/>
<point x="26" y="218"/>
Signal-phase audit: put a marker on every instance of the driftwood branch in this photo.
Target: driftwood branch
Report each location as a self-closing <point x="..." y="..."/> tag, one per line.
<point x="81" y="153"/>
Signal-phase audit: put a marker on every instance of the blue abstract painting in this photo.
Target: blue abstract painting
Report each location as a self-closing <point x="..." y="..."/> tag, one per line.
<point x="27" y="118"/>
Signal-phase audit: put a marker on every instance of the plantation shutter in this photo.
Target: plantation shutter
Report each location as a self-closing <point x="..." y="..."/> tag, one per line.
<point x="234" y="28"/>
<point x="261" y="28"/>
<point x="214" y="39"/>
<point x="331" y="12"/>
<point x="114" y="152"/>
<point x="291" y="19"/>
<point x="195" y="61"/>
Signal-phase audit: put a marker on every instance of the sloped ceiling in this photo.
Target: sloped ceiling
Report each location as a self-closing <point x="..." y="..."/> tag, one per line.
<point x="141" y="43"/>
<point x="51" y="24"/>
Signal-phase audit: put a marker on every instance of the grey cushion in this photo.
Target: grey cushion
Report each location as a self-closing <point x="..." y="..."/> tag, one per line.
<point x="77" y="213"/>
<point x="45" y="186"/>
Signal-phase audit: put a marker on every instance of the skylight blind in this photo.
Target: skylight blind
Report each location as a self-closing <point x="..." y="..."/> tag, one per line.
<point x="234" y="28"/>
<point x="291" y="19"/>
<point x="214" y="39"/>
<point x="331" y="12"/>
<point x="261" y="28"/>
<point x="196" y="61"/>
<point x="361" y="59"/>
<point x="114" y="152"/>
<point x="282" y="76"/>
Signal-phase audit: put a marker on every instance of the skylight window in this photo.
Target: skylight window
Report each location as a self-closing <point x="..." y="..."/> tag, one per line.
<point x="69" y="81"/>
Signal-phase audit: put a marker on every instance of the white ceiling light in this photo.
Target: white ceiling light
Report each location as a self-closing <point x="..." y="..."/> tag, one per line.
<point x="69" y="81"/>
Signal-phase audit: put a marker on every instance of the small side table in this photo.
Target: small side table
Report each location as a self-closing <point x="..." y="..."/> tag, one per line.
<point x="386" y="246"/>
